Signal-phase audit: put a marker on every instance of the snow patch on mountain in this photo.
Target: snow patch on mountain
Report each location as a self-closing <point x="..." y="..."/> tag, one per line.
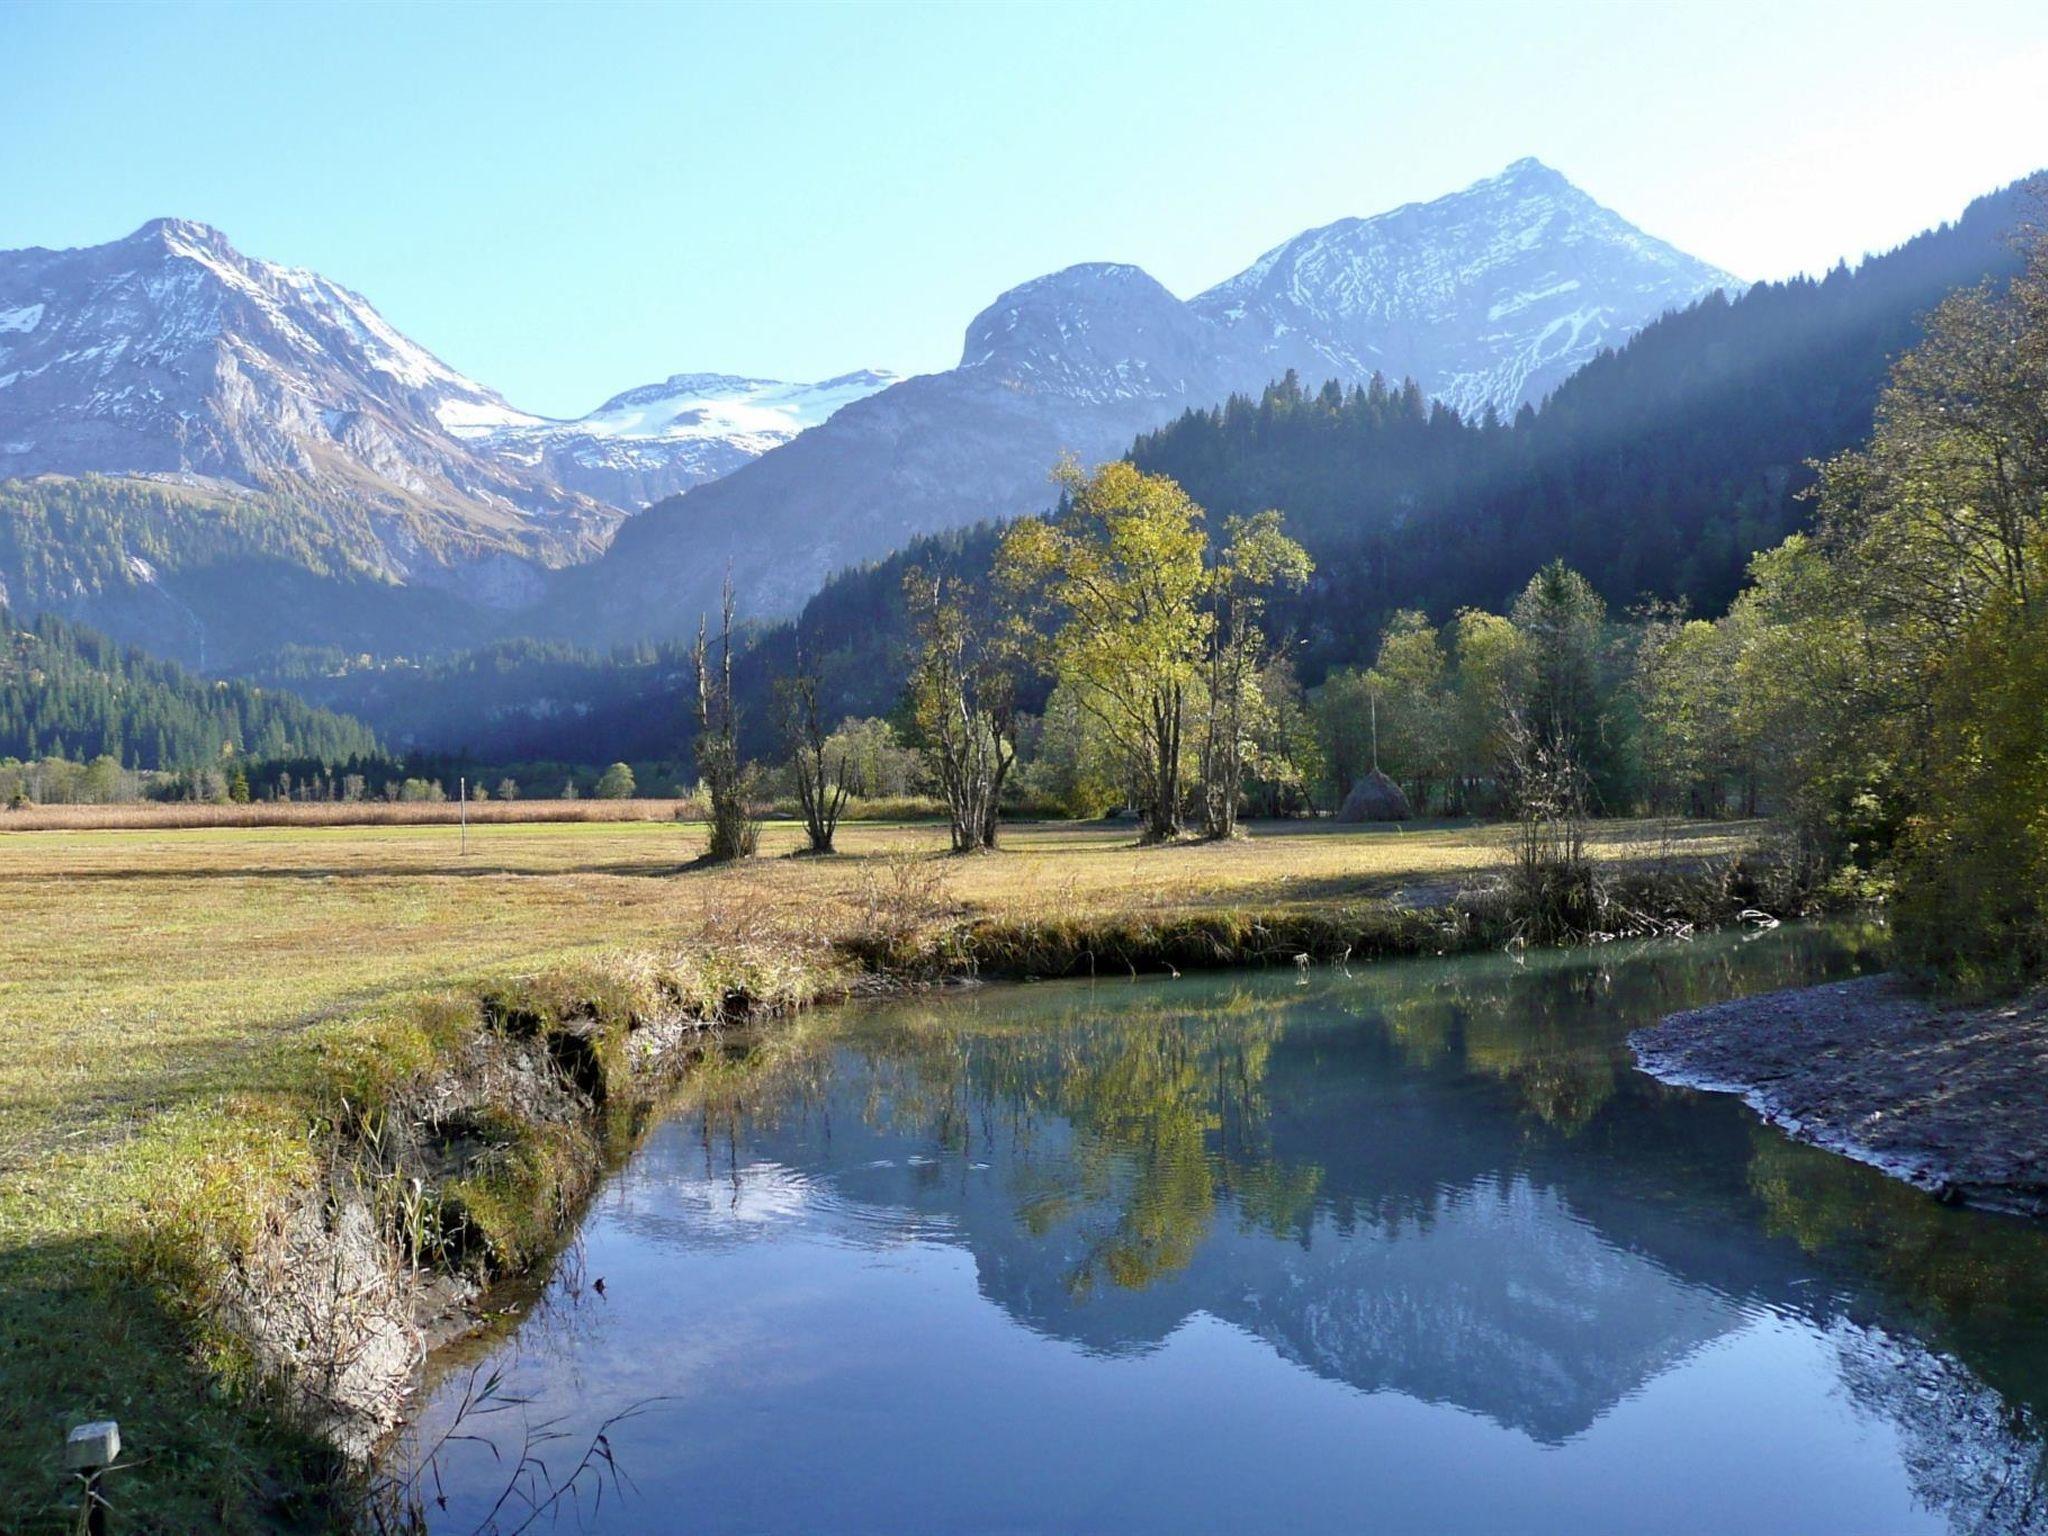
<point x="475" y="418"/>
<point x="663" y="438"/>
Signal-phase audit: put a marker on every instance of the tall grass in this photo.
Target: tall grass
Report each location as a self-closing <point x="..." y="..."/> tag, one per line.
<point x="155" y="815"/>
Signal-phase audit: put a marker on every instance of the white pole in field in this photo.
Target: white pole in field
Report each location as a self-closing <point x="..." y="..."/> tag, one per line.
<point x="462" y="794"/>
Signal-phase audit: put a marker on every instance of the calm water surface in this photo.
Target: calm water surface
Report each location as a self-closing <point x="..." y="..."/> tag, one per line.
<point x="1408" y="1249"/>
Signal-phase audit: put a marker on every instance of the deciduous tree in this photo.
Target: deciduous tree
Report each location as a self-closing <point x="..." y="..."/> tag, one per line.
<point x="822" y="777"/>
<point x="720" y="768"/>
<point x="1115" y="581"/>
<point x="963" y="695"/>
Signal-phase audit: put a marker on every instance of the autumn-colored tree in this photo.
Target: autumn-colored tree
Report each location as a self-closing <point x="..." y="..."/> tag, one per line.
<point x="1916" y="620"/>
<point x="1129" y="615"/>
<point x="1114" y="582"/>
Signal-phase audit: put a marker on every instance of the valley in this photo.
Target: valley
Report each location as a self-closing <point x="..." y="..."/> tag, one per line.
<point x="1172" y="792"/>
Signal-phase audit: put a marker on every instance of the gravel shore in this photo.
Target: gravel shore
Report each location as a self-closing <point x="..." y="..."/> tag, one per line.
<point x="1953" y="1100"/>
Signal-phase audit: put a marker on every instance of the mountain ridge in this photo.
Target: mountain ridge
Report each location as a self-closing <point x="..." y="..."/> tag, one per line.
<point x="280" y="379"/>
<point x="1270" y="307"/>
<point x="1083" y="359"/>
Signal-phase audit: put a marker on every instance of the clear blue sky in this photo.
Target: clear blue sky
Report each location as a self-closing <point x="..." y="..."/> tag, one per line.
<point x="566" y="201"/>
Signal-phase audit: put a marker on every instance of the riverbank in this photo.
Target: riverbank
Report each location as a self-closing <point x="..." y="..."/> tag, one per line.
<point x="1953" y="1100"/>
<point x="276" y="1105"/>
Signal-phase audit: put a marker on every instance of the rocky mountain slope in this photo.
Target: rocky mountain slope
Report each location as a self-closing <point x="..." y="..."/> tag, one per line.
<point x="1078" y="361"/>
<point x="661" y="439"/>
<point x="1486" y="297"/>
<point x="171" y="356"/>
<point x="171" y="353"/>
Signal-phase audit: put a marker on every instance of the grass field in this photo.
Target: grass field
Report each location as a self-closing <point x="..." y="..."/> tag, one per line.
<point x="141" y="970"/>
<point x="170" y="999"/>
<point x="144" y="971"/>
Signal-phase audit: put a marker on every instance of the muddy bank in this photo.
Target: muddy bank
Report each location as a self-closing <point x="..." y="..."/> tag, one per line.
<point x="1952" y="1100"/>
<point x="457" y="1152"/>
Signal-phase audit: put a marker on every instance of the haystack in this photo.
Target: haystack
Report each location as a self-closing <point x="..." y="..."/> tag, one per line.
<point x="1375" y="798"/>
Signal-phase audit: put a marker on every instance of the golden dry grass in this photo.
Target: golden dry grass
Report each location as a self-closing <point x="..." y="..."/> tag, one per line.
<point x="154" y="816"/>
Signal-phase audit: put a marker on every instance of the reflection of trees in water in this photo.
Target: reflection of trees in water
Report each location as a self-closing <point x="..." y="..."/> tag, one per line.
<point x="1526" y="1041"/>
<point x="1527" y="1028"/>
<point x="1165" y="1107"/>
<point x="1550" y="1024"/>
<point x="1165" y="1091"/>
<point x="1157" y="1105"/>
<point x="1126" y="1124"/>
<point x="1960" y="1366"/>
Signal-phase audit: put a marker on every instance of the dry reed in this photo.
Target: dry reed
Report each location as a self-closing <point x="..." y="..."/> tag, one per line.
<point x="150" y="815"/>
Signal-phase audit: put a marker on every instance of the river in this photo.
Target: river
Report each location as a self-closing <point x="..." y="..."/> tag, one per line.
<point x="1410" y="1247"/>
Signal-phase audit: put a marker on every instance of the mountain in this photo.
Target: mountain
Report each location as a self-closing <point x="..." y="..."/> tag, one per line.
<point x="212" y="574"/>
<point x="1487" y="297"/>
<point x="1076" y="361"/>
<point x="1657" y="470"/>
<point x="661" y="439"/>
<point x="171" y="353"/>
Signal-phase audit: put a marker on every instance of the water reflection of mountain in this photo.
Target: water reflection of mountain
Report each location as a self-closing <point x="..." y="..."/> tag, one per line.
<point x="1440" y="1183"/>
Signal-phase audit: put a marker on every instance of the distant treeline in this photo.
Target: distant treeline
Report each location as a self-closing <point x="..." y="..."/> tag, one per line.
<point x="515" y="701"/>
<point x="69" y="692"/>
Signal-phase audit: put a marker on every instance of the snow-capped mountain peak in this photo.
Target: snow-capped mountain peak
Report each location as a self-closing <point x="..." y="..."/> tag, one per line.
<point x="704" y="404"/>
<point x="170" y="351"/>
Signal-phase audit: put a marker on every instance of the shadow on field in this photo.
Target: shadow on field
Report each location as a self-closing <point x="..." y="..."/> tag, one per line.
<point x="357" y="870"/>
<point x="82" y="1337"/>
